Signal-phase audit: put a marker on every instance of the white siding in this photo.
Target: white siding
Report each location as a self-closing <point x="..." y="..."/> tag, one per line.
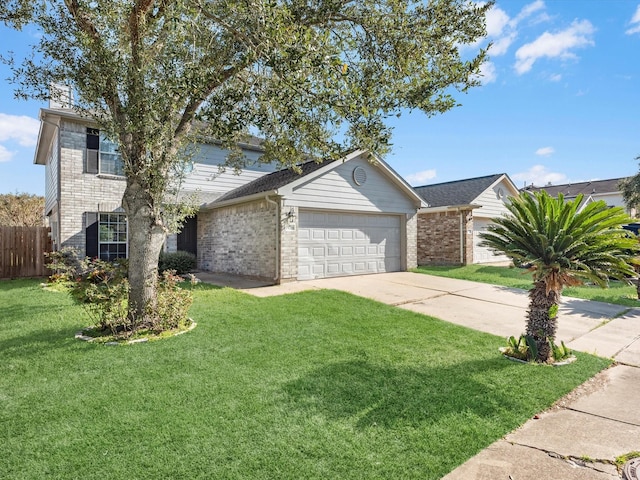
<point x="52" y="169"/>
<point x="483" y="254"/>
<point x="493" y="205"/>
<point x="338" y="190"/>
<point x="613" y="199"/>
<point x="207" y="178"/>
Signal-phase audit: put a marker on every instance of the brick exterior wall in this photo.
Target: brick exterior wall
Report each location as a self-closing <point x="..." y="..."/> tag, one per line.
<point x="288" y="244"/>
<point x="239" y="239"/>
<point x="81" y="192"/>
<point x="411" y="250"/>
<point x="439" y="238"/>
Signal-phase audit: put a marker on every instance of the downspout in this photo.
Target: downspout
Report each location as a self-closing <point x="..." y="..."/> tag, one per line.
<point x="277" y="204"/>
<point x="461" y="237"/>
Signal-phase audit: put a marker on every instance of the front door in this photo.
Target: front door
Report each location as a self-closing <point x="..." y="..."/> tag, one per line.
<point x="188" y="237"/>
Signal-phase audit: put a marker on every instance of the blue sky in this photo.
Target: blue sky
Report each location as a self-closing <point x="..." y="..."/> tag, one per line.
<point x="560" y="102"/>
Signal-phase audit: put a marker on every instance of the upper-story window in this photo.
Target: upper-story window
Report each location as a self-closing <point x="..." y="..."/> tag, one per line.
<point x="102" y="154"/>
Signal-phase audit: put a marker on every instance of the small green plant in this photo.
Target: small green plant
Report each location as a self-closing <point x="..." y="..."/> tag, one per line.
<point x="173" y="303"/>
<point x="523" y="348"/>
<point x="517" y="348"/>
<point x="622" y="459"/>
<point x="560" y="352"/>
<point x="180" y="262"/>
<point x="65" y="263"/>
<point x="102" y="288"/>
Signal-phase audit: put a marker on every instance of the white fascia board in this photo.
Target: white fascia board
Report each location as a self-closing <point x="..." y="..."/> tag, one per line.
<point x="449" y="208"/>
<point x="234" y="201"/>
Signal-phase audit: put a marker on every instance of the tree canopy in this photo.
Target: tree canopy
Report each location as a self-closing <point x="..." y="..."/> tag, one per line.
<point x="630" y="188"/>
<point x="313" y="78"/>
<point x="21" y="210"/>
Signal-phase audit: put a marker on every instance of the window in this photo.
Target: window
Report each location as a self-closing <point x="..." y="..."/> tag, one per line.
<point x="112" y="236"/>
<point x="102" y="154"/>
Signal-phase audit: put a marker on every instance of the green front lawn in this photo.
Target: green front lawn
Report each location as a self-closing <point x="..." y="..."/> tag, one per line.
<point x="315" y="385"/>
<point x="618" y="292"/>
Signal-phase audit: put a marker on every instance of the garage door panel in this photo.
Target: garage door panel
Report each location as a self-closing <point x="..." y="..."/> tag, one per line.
<point x="483" y="254"/>
<point x="333" y="268"/>
<point x="337" y="244"/>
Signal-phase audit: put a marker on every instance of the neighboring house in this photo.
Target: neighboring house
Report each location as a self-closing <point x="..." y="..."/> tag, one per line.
<point x="593" y="191"/>
<point x="457" y="212"/>
<point x="337" y="218"/>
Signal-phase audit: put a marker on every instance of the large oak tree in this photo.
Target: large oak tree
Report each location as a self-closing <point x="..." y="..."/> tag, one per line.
<point x="312" y="77"/>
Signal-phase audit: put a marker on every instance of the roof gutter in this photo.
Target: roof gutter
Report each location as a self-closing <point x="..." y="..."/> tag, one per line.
<point x="449" y="208"/>
<point x="250" y="198"/>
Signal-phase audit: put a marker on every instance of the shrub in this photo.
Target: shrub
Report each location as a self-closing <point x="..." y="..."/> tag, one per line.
<point x="180" y="262"/>
<point x="102" y="288"/>
<point x="65" y="263"/>
<point x="173" y="303"/>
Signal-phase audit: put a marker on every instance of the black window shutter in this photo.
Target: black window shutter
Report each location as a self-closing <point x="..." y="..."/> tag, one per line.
<point x="92" y="161"/>
<point x="93" y="146"/>
<point x="91" y="235"/>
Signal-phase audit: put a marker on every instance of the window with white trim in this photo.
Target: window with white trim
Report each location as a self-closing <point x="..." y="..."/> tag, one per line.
<point x="112" y="236"/>
<point x="102" y="154"/>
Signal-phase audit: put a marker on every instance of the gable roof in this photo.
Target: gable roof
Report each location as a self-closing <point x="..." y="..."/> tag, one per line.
<point x="458" y="192"/>
<point x="272" y="181"/>
<point x="571" y="190"/>
<point x="284" y="181"/>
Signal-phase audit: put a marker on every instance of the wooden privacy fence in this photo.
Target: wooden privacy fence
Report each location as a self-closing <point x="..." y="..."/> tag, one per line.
<point x="22" y="251"/>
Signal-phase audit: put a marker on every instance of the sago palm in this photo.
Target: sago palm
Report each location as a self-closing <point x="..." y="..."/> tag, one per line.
<point x="563" y="247"/>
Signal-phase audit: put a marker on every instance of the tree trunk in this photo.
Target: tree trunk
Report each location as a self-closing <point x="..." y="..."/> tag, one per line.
<point x="540" y="324"/>
<point x="146" y="237"/>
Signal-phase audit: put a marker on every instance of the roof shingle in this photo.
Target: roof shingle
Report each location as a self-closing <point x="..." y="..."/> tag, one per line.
<point x="458" y="192"/>
<point x="272" y="181"/>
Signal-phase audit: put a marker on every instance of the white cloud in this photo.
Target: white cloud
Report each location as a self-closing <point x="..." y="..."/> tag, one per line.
<point x="502" y="44"/>
<point x="19" y="128"/>
<point x="635" y="23"/>
<point x="556" y="77"/>
<point x="539" y="175"/>
<point x="487" y="73"/>
<point x="420" y="177"/>
<point x="545" y="151"/>
<point x="555" y="45"/>
<point x="5" y="155"/>
<point x="529" y="10"/>
<point x="502" y="30"/>
<point x="497" y="19"/>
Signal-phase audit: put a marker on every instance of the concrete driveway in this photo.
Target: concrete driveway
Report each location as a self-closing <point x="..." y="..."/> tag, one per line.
<point x="581" y="437"/>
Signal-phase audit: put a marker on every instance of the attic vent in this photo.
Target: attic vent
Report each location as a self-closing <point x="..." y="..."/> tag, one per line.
<point x="500" y="193"/>
<point x="359" y="175"/>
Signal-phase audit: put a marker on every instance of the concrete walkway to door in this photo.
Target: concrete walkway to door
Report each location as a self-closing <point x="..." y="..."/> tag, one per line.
<point x="599" y="421"/>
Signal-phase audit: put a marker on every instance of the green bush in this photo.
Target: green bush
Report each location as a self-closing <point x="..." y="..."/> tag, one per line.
<point x="102" y="288"/>
<point x="180" y="262"/>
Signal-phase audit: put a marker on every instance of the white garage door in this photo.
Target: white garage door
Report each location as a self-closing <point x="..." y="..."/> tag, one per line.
<point x="483" y="254"/>
<point x="339" y="244"/>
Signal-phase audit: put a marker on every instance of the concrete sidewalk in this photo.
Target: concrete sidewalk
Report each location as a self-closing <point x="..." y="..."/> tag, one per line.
<point x="582" y="436"/>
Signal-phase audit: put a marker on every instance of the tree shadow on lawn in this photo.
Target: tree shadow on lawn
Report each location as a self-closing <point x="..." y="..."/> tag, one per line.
<point x="38" y="341"/>
<point x="7" y="284"/>
<point x="384" y="395"/>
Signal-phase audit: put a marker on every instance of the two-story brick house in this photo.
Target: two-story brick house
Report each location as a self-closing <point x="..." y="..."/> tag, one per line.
<point x="339" y="218"/>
